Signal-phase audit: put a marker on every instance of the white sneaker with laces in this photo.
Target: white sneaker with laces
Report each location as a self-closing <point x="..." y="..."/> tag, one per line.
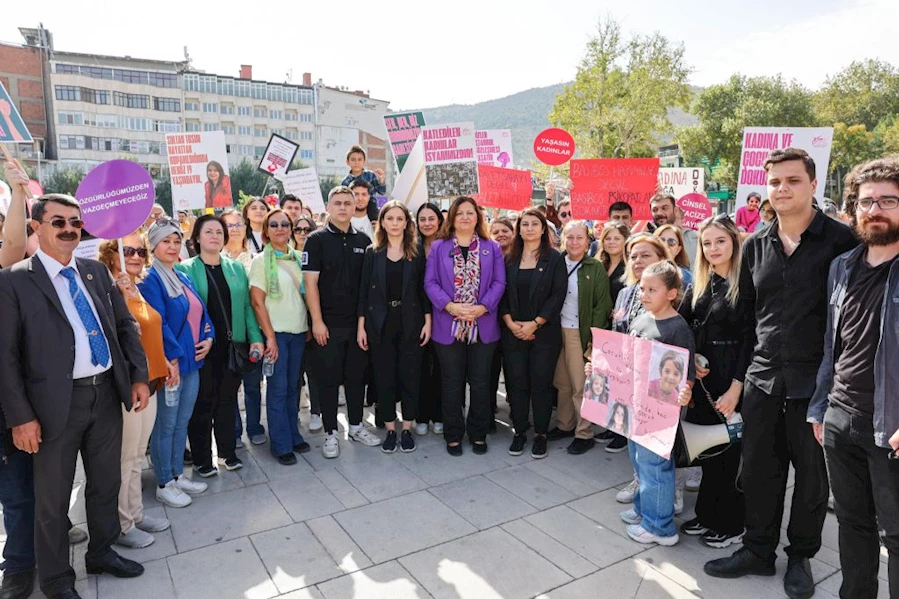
<point x="189" y="486"/>
<point x="364" y="436"/>
<point x="626" y="495"/>
<point x="437" y="428"/>
<point x="694" y="478"/>
<point x="172" y="496"/>
<point x="641" y="535"/>
<point x="315" y="423"/>
<point x="331" y="448"/>
<point x="421" y="429"/>
<point x="151" y="524"/>
<point x="678" y="502"/>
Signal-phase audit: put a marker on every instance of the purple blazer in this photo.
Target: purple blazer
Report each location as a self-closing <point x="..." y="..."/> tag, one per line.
<point x="440" y="287"/>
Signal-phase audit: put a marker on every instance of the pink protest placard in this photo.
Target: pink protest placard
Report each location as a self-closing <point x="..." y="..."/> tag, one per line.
<point x="634" y="387"/>
<point x="696" y="209"/>
<point x="597" y="183"/>
<point x="505" y="188"/>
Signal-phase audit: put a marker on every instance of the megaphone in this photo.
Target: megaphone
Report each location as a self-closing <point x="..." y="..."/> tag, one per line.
<point x="697" y="441"/>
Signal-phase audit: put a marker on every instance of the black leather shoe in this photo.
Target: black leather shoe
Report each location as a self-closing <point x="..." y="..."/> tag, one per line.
<point x="580" y="446"/>
<point x="17" y="586"/>
<point x="557" y="433"/>
<point x="288" y="459"/>
<point x="798" y="581"/>
<point x="742" y="563"/>
<point x="479" y="448"/>
<point x="302" y="447"/>
<point x="115" y="564"/>
<point x="66" y="594"/>
<point x="454" y="450"/>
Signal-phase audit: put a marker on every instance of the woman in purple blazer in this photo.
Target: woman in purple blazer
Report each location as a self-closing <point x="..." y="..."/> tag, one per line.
<point x="465" y="278"/>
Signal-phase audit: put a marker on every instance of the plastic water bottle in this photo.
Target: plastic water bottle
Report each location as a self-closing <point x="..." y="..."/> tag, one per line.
<point x="172" y="395"/>
<point x="268" y="368"/>
<point x="255" y="355"/>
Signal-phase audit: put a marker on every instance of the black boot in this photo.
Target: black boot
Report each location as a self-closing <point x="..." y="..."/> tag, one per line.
<point x="742" y="563"/>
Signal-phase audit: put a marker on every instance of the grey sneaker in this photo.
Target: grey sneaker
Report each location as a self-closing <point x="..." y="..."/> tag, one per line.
<point x="258" y="439"/>
<point x="151" y="524"/>
<point x="364" y="436"/>
<point x="135" y="539"/>
<point x="421" y="429"/>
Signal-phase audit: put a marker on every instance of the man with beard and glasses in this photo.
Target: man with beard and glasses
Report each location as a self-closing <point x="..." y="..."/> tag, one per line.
<point x="859" y="429"/>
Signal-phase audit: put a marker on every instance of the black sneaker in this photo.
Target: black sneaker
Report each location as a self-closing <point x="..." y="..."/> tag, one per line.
<point x="518" y="443"/>
<point x="719" y="540"/>
<point x="742" y="563"/>
<point x="389" y="444"/>
<point x="557" y="433"/>
<point x="479" y="448"/>
<point x="798" y="581"/>
<point x="454" y="450"/>
<point x="693" y="528"/>
<point x="538" y="448"/>
<point x="580" y="446"/>
<point x="288" y="459"/>
<point x="188" y="458"/>
<point x="604" y="437"/>
<point x="302" y="447"/>
<point x="617" y="445"/>
<point x="206" y="471"/>
<point x="233" y="464"/>
<point x="407" y="442"/>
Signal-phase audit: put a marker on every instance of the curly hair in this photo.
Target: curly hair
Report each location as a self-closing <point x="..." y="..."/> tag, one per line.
<point x="875" y="171"/>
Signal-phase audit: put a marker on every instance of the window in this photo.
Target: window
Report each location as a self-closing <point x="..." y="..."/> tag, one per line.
<point x="163" y="80"/>
<point x="191" y="82"/>
<point x="243" y="88"/>
<point x="131" y="100"/>
<point x="278" y="132"/>
<point x="207" y="84"/>
<point x="166" y="104"/>
<point x="307" y="154"/>
<point x="292" y="134"/>
<point x="166" y="126"/>
<point x="259" y="113"/>
<point x="246" y="150"/>
<point x="68" y="92"/>
<point x="130" y="76"/>
<point x="210" y="107"/>
<point x="307" y="135"/>
<point x="290" y="95"/>
<point x="68" y="68"/>
<point x="210" y="126"/>
<point x="225" y="87"/>
<point x="276" y="115"/>
<point x="227" y="109"/>
<point x="137" y="124"/>
<point x="243" y="111"/>
<point x="228" y="129"/>
<point x="305" y="96"/>
<point x="274" y="93"/>
<point x="259" y="91"/>
<point x="191" y="127"/>
<point x="260" y="132"/>
<point x="305" y="118"/>
<point x="70" y="118"/>
<point x="191" y="107"/>
<point x="243" y="130"/>
<point x="259" y="151"/>
<point x="107" y="121"/>
<point x="290" y="116"/>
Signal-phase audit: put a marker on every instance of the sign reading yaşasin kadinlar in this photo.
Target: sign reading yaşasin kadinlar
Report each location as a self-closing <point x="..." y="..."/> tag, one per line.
<point x="198" y="166"/>
<point x="633" y="389"/>
<point x="451" y="165"/>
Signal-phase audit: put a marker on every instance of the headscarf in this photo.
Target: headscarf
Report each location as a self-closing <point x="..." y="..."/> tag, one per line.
<point x="270" y="258"/>
<point x="157" y="232"/>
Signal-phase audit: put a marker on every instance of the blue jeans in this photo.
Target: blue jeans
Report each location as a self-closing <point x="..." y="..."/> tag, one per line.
<point x="17" y="499"/>
<point x="252" y="398"/>
<point x="654" y="500"/>
<point x="170" y="432"/>
<point x="281" y="408"/>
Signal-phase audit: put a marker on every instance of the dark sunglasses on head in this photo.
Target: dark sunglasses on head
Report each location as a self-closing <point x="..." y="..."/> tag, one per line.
<point x="58" y="222"/>
<point x="304" y="230"/>
<point x="720" y="218"/>
<point x="168" y="221"/>
<point x="130" y="251"/>
<point x="278" y="224"/>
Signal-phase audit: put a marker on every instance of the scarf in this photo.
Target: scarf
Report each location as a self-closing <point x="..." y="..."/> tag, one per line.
<point x="467" y="283"/>
<point x="270" y="257"/>
<point x="170" y="279"/>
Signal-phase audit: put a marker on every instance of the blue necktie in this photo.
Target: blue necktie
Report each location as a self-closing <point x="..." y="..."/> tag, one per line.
<point x="99" y="349"/>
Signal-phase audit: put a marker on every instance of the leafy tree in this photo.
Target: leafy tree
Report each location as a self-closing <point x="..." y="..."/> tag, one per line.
<point x="886" y="134"/>
<point x="163" y="185"/>
<point x="65" y="180"/>
<point x="246" y="178"/>
<point x="852" y="145"/>
<point x="861" y="94"/>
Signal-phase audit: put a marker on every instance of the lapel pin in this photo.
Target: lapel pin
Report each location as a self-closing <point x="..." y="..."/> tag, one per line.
<point x="90" y="277"/>
<point x="540" y="269"/>
<point x="587" y="277"/>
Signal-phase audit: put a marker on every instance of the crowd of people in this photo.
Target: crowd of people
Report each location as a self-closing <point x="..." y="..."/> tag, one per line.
<point x="790" y="327"/>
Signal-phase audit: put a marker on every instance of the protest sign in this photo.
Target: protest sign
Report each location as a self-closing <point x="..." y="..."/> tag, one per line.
<point x="494" y="147"/>
<point x="554" y="147"/>
<point x="5" y="197"/>
<point x="628" y="393"/>
<point x="198" y="165"/>
<point x="303" y="183"/>
<point x="88" y="249"/>
<point x="278" y="156"/>
<point x="696" y="208"/>
<point x="115" y="198"/>
<point x="402" y="130"/>
<point x="504" y="188"/>
<point x="450" y="162"/>
<point x="678" y="182"/>
<point x="411" y="186"/>
<point x="12" y="127"/>
<point x="598" y="183"/>
<point x="759" y="141"/>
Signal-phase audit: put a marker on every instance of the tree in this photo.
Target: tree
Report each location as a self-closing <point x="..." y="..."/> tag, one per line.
<point x="886" y="135"/>
<point x="861" y="94"/>
<point x="246" y="178"/>
<point x="64" y="180"/>
<point x="163" y="185"/>
<point x="852" y="145"/>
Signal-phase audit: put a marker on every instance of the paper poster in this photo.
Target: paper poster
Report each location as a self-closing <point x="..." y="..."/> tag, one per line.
<point x="198" y="166"/>
<point x="696" y="208"/>
<point x="278" y="155"/>
<point x="678" y="182"/>
<point x="450" y="161"/>
<point x="12" y="127"/>
<point x="634" y="387"/>
<point x="598" y="183"/>
<point x="411" y="186"/>
<point x="494" y="147"/>
<point x="88" y="248"/>
<point x="759" y="141"/>
<point x="303" y="183"/>
<point x="504" y="188"/>
<point x="402" y="130"/>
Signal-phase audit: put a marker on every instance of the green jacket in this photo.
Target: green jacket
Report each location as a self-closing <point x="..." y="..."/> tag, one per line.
<point x="594" y="300"/>
<point x="244" y="327"/>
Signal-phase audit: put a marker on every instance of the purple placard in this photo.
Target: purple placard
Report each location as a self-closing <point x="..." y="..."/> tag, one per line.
<point x="116" y="197"/>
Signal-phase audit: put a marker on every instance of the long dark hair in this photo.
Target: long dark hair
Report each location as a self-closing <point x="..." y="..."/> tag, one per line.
<point x="448" y="228"/>
<point x="517" y="250"/>
<point x="410" y="247"/>
<point x="215" y="187"/>
<point x="433" y="208"/>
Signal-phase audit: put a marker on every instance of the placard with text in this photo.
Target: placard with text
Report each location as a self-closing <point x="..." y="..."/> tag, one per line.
<point x="198" y="166"/>
<point x="505" y="188"/>
<point x="597" y="183"/>
<point x="451" y="164"/>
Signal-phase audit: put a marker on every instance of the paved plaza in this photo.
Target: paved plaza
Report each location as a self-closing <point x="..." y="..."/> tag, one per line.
<point x="425" y="524"/>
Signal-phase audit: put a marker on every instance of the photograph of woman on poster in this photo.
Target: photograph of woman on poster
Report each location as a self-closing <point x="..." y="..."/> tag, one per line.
<point x="619" y="419"/>
<point x="598" y="388"/>
<point x="218" y="187"/>
<point x="671" y="374"/>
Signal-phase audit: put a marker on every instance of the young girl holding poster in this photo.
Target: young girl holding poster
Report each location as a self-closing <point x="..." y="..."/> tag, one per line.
<point x="651" y="520"/>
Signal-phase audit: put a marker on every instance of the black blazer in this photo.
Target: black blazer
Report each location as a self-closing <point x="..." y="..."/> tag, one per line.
<point x="37" y="345"/>
<point x="548" y="289"/>
<point x="373" y="295"/>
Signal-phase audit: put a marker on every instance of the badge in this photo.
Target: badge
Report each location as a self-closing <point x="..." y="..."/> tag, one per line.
<point x="90" y="277"/>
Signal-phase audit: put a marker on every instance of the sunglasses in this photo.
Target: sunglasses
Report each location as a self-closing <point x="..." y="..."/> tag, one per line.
<point x="59" y="222"/>
<point x="279" y="225"/>
<point x="670" y="242"/>
<point x="130" y="252"/>
<point x="565" y="214"/>
<point x="720" y="218"/>
<point x="303" y="230"/>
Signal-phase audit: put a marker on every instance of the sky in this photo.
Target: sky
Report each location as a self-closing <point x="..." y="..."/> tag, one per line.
<point x="428" y="54"/>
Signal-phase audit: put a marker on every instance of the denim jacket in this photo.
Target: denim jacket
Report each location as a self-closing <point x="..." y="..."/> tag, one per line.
<point x="886" y="379"/>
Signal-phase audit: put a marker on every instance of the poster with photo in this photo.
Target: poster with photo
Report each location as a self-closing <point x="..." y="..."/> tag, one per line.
<point x="494" y="147"/>
<point x="198" y="166"/>
<point x="450" y="160"/>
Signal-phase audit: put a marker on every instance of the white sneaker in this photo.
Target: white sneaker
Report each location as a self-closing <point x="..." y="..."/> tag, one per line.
<point x="626" y="495"/>
<point x="631" y="517"/>
<point x="421" y="429"/>
<point x="678" y="502"/>
<point x="694" y="478"/>
<point x="641" y="535"/>
<point x="172" y="496"/>
<point x="315" y="423"/>
<point x="135" y="539"/>
<point x="437" y="428"/>
<point x="341" y="396"/>
<point x="331" y="448"/>
<point x="189" y="486"/>
<point x="150" y="524"/>
<point x="364" y="436"/>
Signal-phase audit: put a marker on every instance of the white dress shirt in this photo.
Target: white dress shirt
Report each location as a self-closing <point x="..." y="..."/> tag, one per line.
<point x="83" y="365"/>
<point x="570" y="318"/>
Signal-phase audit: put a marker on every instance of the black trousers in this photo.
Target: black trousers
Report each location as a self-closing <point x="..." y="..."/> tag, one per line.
<point x="339" y="361"/>
<point x="529" y="369"/>
<point x="775" y="435"/>
<point x="396" y="368"/>
<point x="462" y="363"/>
<point x="720" y="505"/>
<point x="496" y="367"/>
<point x="94" y="428"/>
<point x="430" y="398"/>
<point x="865" y="487"/>
<point x="216" y="409"/>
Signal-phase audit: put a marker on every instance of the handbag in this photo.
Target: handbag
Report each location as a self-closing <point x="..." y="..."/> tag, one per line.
<point x="238" y="352"/>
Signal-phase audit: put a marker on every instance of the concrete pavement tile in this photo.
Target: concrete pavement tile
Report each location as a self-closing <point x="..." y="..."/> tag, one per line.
<point x="294" y="558"/>
<point x="832" y="585"/>
<point x="230" y="569"/>
<point x="380" y="480"/>
<point x="402" y="525"/>
<point x="305" y="498"/>
<point x="87" y="588"/>
<point x="163" y="546"/>
<point x="597" y="468"/>
<point x="272" y="469"/>
<point x="433" y="465"/>
<point x="348" y="556"/>
<point x="551" y="549"/>
<point x="307" y="593"/>
<point x="489" y="564"/>
<point x="149" y="486"/>
<point x="547" y="469"/>
<point x="251" y="473"/>
<point x="341" y="488"/>
<point x="226" y="516"/>
<point x="656" y="585"/>
<point x="615" y="582"/>
<point x="602" y="508"/>
<point x="481" y="502"/>
<point x="154" y="583"/>
<point x="386" y="581"/>
<point x="350" y="452"/>
<point x="220" y="483"/>
<point x="540" y="492"/>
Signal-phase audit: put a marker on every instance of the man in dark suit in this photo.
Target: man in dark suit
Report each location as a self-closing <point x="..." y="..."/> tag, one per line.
<point x="69" y="354"/>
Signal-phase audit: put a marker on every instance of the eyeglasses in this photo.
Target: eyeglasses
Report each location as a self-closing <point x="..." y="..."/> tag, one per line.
<point x="279" y="225"/>
<point x="58" y="222"/>
<point x="236" y="226"/>
<point x="303" y="230"/>
<point x="671" y="242"/>
<point x="130" y="252"/>
<point x="885" y="203"/>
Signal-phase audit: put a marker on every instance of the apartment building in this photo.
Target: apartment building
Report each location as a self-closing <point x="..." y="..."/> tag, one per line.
<point x="345" y="118"/>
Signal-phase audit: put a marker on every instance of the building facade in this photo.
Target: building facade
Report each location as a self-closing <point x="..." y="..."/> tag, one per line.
<point x="22" y="73"/>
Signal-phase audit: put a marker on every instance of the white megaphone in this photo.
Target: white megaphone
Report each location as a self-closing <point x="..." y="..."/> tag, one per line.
<point x="695" y="440"/>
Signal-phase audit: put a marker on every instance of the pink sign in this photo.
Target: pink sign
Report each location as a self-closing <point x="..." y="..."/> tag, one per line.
<point x="554" y="147"/>
<point x="696" y="209"/>
<point x="632" y="390"/>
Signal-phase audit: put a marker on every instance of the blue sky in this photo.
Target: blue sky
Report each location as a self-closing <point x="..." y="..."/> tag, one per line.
<point x="424" y="54"/>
